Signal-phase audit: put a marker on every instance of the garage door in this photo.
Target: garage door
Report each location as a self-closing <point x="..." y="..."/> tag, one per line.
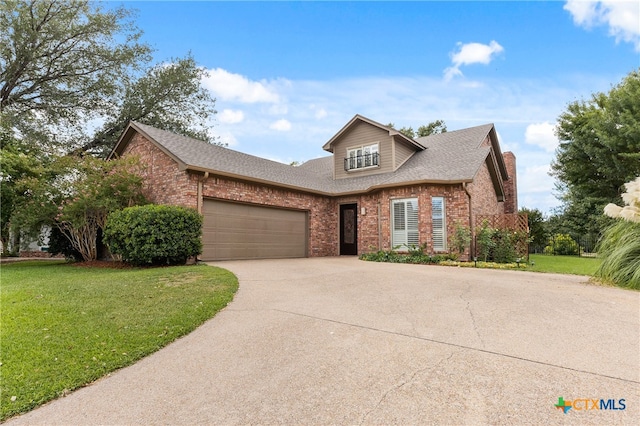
<point x="246" y="231"/>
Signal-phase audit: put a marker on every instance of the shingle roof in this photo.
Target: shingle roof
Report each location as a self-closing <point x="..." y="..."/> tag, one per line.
<point x="450" y="157"/>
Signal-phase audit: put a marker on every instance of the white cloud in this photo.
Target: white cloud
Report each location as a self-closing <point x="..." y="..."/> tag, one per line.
<point x="471" y="53"/>
<point x="536" y="179"/>
<point x="542" y="135"/>
<point x="622" y="17"/>
<point x="320" y="113"/>
<point x="278" y="109"/>
<point x="235" y="87"/>
<point x="281" y="125"/>
<point x="512" y="104"/>
<point x="231" y="116"/>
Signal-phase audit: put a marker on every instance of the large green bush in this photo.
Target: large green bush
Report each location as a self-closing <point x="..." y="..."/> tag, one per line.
<point x="499" y="245"/>
<point x="154" y="234"/>
<point x="562" y="244"/>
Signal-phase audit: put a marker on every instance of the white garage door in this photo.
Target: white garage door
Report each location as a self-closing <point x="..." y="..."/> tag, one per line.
<point x="247" y="231"/>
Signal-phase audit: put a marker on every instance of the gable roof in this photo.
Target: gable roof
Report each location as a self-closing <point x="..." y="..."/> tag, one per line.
<point x="360" y="119"/>
<point x="451" y="157"/>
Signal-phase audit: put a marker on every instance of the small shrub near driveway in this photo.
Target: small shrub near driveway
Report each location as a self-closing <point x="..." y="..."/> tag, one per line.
<point x="154" y="234"/>
<point x="64" y="326"/>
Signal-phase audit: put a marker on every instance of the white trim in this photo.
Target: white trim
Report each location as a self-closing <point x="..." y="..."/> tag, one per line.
<point x="439" y="234"/>
<point x="404" y="237"/>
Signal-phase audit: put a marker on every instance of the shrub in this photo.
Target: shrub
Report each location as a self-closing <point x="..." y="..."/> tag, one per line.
<point x="499" y="245"/>
<point x="504" y="250"/>
<point x="485" y="241"/>
<point x="562" y="244"/>
<point x="620" y="252"/>
<point x="154" y="234"/>
<point x="461" y="238"/>
<point x="620" y="245"/>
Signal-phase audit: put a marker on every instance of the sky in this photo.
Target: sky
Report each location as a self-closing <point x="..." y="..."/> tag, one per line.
<point x="287" y="76"/>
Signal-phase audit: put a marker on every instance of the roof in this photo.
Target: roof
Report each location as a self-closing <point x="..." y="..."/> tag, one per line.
<point x="451" y="157"/>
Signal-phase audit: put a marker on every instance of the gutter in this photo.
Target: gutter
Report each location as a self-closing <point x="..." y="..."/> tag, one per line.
<point x="367" y="190"/>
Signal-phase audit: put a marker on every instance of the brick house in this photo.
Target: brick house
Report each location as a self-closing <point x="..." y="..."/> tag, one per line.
<point x="377" y="190"/>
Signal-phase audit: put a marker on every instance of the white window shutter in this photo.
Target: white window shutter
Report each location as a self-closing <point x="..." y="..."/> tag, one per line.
<point x="404" y="223"/>
<point x="439" y="233"/>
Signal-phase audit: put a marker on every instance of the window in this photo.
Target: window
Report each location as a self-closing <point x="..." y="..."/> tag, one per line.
<point x="404" y="222"/>
<point x="362" y="157"/>
<point x="439" y="231"/>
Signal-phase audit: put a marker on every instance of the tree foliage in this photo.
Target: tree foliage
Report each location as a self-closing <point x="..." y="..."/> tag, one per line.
<point x="69" y="67"/>
<point x="76" y="195"/>
<point x="168" y="96"/>
<point x="599" y="151"/>
<point x="62" y="61"/>
<point x="537" y="231"/>
<point x="18" y="161"/>
<point x="432" y="128"/>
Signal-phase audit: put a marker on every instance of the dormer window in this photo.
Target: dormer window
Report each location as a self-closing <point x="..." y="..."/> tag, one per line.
<point x="362" y="157"/>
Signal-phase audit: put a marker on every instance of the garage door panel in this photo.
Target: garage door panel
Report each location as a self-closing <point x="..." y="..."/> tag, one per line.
<point x="244" y="231"/>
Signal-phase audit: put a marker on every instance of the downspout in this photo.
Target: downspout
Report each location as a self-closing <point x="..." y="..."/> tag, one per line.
<point x="379" y="228"/>
<point x="471" y="227"/>
<point x="200" y="185"/>
<point x="200" y="201"/>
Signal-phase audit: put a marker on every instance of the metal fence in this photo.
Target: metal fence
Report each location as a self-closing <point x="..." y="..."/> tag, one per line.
<point x="566" y="245"/>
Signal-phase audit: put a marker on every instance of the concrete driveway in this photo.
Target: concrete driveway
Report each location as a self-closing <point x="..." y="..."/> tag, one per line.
<point x="342" y="341"/>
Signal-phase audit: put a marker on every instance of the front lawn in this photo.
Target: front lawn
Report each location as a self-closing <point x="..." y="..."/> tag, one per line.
<point x="64" y="326"/>
<point x="564" y="264"/>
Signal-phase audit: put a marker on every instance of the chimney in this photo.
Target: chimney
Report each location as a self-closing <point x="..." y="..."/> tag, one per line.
<point x="511" y="184"/>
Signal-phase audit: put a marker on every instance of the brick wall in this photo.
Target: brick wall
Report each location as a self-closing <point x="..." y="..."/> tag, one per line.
<point x="484" y="199"/>
<point x="322" y="211"/>
<point x="164" y="182"/>
<point x="457" y="211"/>
<point x="510" y="185"/>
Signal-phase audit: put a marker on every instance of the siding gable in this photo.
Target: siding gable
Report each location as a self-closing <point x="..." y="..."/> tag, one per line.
<point x="363" y="134"/>
<point x="402" y="153"/>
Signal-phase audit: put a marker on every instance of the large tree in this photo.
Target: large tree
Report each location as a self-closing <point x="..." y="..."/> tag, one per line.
<point x="64" y="64"/>
<point x="599" y="151"/>
<point x="72" y="75"/>
<point x="61" y="62"/>
<point x="169" y="96"/>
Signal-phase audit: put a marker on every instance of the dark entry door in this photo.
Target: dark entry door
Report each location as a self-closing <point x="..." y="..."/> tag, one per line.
<point x="349" y="229"/>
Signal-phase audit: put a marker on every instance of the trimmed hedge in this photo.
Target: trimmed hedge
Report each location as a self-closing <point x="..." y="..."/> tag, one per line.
<point x="154" y="234"/>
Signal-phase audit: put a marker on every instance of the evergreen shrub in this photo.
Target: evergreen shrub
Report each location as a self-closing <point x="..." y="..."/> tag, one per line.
<point x="154" y="234"/>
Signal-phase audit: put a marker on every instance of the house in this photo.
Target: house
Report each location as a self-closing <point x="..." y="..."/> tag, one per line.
<point x="377" y="190"/>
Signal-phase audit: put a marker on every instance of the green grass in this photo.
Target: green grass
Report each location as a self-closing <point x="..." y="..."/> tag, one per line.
<point x="64" y="326"/>
<point x="564" y="264"/>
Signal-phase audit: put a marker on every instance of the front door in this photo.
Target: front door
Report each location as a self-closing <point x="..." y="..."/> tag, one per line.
<point x="349" y="229"/>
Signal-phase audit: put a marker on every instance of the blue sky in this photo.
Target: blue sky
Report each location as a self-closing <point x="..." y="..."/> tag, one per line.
<point x="288" y="75"/>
